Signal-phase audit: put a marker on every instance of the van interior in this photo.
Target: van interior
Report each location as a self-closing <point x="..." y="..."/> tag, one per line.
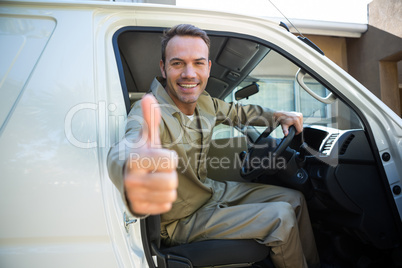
<point x="334" y="162"/>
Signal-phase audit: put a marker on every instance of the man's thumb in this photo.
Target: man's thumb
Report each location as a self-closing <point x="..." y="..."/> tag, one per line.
<point x="285" y="130"/>
<point x="152" y="118"/>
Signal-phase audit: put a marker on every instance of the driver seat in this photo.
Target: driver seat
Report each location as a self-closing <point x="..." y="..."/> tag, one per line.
<point x="209" y="253"/>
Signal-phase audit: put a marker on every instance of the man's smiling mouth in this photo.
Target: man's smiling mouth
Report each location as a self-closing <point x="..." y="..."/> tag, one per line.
<point x="188" y="85"/>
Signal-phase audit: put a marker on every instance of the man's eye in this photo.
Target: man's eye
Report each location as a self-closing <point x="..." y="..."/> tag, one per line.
<point x="200" y="63"/>
<point x="176" y="63"/>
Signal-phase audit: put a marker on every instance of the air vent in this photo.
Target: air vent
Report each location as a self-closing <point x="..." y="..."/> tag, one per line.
<point x="329" y="143"/>
<point x="346" y="144"/>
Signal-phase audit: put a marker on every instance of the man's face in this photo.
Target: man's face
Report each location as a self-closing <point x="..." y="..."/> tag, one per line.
<point x="186" y="70"/>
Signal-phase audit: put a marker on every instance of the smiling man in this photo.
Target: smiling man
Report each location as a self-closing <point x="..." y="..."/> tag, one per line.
<point x="169" y="133"/>
<point x="186" y="70"/>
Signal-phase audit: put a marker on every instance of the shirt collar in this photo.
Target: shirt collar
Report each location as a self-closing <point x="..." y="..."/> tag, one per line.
<point x="165" y="101"/>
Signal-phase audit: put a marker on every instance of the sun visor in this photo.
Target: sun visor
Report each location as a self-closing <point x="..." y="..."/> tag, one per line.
<point x="216" y="88"/>
<point x="237" y="53"/>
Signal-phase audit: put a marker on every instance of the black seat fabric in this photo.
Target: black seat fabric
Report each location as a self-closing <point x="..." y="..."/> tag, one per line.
<point x="209" y="253"/>
<point x="220" y="252"/>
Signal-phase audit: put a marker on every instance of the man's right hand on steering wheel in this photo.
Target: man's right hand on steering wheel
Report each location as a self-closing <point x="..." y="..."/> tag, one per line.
<point x="287" y="119"/>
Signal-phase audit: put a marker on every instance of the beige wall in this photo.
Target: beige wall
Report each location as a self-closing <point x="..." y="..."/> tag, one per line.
<point x="333" y="47"/>
<point x="386" y="15"/>
<point x="375" y="58"/>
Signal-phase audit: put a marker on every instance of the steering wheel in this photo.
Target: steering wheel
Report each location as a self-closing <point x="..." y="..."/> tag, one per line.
<point x="264" y="156"/>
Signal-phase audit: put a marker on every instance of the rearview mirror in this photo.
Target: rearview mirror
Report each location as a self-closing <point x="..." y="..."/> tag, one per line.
<point x="247" y="91"/>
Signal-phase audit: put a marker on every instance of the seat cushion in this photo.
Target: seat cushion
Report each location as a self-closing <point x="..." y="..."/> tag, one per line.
<point x="220" y="252"/>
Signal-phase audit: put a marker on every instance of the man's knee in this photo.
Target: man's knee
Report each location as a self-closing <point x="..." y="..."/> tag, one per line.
<point x="295" y="198"/>
<point x="280" y="223"/>
<point x="286" y="213"/>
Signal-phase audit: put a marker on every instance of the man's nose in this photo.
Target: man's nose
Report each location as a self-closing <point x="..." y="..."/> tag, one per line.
<point x="188" y="72"/>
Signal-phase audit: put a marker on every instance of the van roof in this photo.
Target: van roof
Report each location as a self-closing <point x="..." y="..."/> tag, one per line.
<point x="314" y="27"/>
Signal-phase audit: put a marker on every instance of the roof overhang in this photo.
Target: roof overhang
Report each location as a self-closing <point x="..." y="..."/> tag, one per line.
<point x="328" y="28"/>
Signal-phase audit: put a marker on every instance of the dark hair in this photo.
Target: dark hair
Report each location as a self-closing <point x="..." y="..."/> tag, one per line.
<point x="182" y="30"/>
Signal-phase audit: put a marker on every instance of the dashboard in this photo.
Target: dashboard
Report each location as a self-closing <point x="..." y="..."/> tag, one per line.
<point x="347" y="184"/>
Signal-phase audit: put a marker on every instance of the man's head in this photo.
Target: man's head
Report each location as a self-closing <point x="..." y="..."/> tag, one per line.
<point x="183" y="30"/>
<point x="185" y="65"/>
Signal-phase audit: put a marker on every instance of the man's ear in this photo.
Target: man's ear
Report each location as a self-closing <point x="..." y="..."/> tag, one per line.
<point x="162" y="67"/>
<point x="209" y="67"/>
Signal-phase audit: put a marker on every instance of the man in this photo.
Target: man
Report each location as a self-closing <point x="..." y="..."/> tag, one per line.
<point x="160" y="165"/>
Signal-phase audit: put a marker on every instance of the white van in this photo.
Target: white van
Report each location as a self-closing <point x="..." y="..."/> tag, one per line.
<point x="69" y="72"/>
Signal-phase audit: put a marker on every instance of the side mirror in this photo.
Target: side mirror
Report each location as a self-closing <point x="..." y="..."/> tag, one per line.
<point x="247" y="91"/>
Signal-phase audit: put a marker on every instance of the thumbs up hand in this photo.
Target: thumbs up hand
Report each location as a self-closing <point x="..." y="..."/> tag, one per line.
<point x="152" y="118"/>
<point x="150" y="172"/>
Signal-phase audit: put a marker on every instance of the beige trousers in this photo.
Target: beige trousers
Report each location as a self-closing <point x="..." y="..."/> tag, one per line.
<point x="272" y="215"/>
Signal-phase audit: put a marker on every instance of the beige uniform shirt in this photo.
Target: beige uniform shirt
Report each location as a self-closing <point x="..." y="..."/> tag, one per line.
<point x="190" y="139"/>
